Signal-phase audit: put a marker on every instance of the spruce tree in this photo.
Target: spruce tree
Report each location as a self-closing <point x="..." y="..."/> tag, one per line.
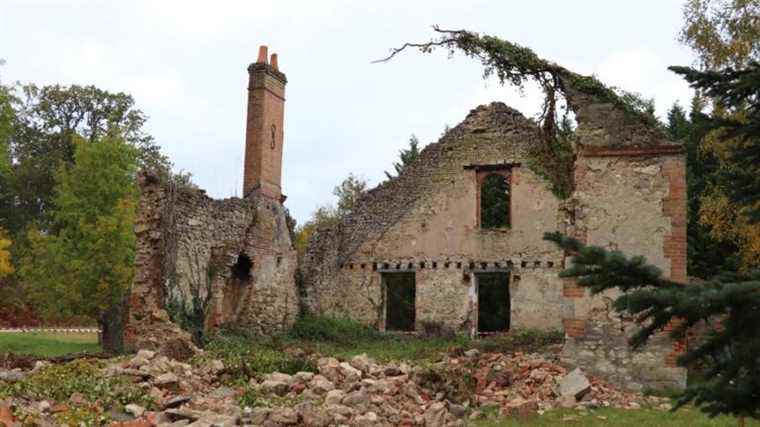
<point x="729" y="306"/>
<point x="737" y="92"/>
<point x="407" y="156"/>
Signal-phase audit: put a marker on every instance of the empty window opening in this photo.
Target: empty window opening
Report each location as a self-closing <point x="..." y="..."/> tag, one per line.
<point x="400" y="291"/>
<point x="493" y="302"/>
<point x="494" y="202"/>
<point x="435" y="264"/>
<point x="241" y="270"/>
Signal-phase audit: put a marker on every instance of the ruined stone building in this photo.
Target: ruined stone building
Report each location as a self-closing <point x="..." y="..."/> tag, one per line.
<point x="456" y="241"/>
<point x="206" y="263"/>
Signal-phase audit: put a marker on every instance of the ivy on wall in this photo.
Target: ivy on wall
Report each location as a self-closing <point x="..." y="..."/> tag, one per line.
<point x="517" y="65"/>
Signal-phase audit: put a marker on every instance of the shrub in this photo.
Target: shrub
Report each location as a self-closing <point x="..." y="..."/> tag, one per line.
<point x="331" y="329"/>
<point x="247" y="357"/>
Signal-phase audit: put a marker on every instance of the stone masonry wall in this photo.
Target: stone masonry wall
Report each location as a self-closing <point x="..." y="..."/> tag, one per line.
<point x="426" y="221"/>
<point x="630" y="201"/>
<point x="196" y="242"/>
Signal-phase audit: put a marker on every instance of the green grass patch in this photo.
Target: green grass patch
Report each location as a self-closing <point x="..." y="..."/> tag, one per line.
<point x="345" y="338"/>
<point x="44" y="344"/>
<point x="684" y="417"/>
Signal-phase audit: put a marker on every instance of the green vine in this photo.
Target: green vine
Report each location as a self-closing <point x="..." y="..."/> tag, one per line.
<point x="515" y="64"/>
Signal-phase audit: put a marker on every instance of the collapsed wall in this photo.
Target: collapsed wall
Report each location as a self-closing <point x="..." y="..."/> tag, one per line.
<point x="205" y="264"/>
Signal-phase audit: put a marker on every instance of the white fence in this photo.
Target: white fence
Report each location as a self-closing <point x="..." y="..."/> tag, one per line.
<point x="74" y="330"/>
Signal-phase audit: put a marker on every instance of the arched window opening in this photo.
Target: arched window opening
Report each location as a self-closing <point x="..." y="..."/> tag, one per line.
<point x="494" y="202"/>
<point x="242" y="268"/>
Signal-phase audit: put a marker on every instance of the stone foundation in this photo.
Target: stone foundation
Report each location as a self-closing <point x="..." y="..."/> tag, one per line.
<point x="602" y="349"/>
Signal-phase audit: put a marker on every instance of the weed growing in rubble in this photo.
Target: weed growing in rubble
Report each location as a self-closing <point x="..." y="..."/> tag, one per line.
<point x="331" y="329"/>
<point x="254" y="398"/>
<point x="60" y="382"/>
<point x="246" y="357"/>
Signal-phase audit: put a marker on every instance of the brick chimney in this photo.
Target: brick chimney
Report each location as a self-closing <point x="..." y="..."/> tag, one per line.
<point x="262" y="170"/>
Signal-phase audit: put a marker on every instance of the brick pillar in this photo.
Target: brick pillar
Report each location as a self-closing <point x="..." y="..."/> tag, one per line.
<point x="264" y="136"/>
<point x="674" y="206"/>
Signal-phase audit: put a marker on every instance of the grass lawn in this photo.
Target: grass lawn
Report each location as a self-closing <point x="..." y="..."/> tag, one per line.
<point x="684" y="417"/>
<point x="48" y="344"/>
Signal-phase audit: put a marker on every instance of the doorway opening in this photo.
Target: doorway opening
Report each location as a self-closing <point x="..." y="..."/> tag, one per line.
<point x="400" y="290"/>
<point x="493" y="302"/>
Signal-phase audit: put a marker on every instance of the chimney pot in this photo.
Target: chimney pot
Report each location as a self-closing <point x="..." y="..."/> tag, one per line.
<point x="273" y="61"/>
<point x="262" y="55"/>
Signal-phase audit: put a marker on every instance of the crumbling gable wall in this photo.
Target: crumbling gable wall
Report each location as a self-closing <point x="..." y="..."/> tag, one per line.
<point x="426" y="221"/>
<point x="628" y="194"/>
<point x="188" y="248"/>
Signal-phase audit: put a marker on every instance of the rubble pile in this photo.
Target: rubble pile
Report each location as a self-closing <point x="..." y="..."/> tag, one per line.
<point x="355" y="392"/>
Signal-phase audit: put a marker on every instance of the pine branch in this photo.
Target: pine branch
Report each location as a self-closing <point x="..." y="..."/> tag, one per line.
<point x="730" y="350"/>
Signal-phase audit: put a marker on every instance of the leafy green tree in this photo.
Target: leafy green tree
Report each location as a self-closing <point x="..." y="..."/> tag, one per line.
<point x="7" y="120"/>
<point x="6" y="267"/>
<point x="406" y="156"/>
<point x="347" y="192"/>
<point x="86" y="267"/>
<point x="48" y="120"/>
<point x="722" y="32"/>
<point x="729" y="352"/>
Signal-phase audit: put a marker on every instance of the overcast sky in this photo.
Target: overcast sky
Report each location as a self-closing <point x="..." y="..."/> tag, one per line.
<point x="184" y="61"/>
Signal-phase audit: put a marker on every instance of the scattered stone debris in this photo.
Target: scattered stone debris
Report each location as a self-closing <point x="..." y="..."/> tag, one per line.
<point x="356" y="392"/>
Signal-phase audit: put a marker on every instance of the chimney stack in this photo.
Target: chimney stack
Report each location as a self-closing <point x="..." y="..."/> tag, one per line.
<point x="264" y="137"/>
